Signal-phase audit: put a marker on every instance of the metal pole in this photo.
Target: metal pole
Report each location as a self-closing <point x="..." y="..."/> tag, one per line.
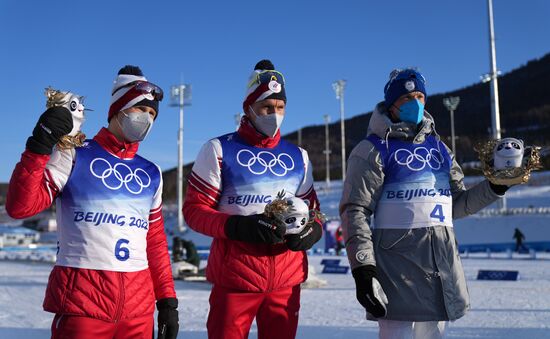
<point x="180" y="96"/>
<point x="339" y="89"/>
<point x="495" y="116"/>
<point x="343" y="131"/>
<point x="300" y="137"/>
<point x="180" y="162"/>
<point x="452" y="103"/>
<point x="327" y="150"/>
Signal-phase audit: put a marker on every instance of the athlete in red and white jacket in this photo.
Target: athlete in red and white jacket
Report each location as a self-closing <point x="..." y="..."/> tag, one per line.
<point x="113" y="262"/>
<point x="256" y="269"/>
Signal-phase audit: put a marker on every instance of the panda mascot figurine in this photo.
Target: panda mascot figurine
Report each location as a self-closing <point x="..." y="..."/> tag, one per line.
<point x="293" y="212"/>
<point x="508" y="154"/>
<point x="74" y="103"/>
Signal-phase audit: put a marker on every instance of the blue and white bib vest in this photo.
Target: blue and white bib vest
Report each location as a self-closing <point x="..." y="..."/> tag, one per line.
<point x="416" y="191"/>
<point x="252" y="176"/>
<point x="103" y="211"/>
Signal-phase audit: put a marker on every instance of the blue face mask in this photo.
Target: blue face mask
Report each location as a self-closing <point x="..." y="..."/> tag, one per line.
<point x="412" y="111"/>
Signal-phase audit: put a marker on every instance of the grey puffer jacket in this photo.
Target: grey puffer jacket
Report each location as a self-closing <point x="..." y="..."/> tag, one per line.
<point x="419" y="268"/>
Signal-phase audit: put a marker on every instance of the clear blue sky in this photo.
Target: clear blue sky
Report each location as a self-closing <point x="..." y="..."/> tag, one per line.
<point x="80" y="45"/>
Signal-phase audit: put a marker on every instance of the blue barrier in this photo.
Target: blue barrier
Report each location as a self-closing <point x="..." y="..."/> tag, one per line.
<point x="336" y="269"/>
<point x="333" y="266"/>
<point x="330" y="262"/>
<point x="497" y="275"/>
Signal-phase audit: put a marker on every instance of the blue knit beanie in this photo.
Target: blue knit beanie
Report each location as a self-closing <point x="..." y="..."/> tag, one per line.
<point x="403" y="81"/>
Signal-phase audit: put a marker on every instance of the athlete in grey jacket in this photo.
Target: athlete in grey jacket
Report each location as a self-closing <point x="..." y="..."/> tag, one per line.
<point x="403" y="189"/>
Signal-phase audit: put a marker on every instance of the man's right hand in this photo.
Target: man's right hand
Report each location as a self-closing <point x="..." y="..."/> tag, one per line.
<point x="369" y="291"/>
<point x="256" y="228"/>
<point x="54" y="123"/>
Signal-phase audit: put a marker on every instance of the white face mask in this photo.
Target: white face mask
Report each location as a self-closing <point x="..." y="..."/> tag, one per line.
<point x="267" y="124"/>
<point x="135" y="126"/>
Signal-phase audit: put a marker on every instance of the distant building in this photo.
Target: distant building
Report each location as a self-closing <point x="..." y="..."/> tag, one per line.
<point x="17" y="236"/>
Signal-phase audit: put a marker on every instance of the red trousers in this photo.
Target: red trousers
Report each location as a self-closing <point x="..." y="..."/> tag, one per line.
<point x="232" y="312"/>
<point x="76" y="327"/>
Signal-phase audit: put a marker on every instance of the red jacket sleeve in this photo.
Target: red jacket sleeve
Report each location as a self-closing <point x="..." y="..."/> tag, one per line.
<point x="158" y="256"/>
<point x="30" y="189"/>
<point x="200" y="213"/>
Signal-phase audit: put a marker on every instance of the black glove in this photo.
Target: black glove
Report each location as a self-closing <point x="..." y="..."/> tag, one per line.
<point x="369" y="292"/>
<point x="51" y="126"/>
<point x="305" y="240"/>
<point x="255" y="228"/>
<point x="168" y="325"/>
<point x="499" y="189"/>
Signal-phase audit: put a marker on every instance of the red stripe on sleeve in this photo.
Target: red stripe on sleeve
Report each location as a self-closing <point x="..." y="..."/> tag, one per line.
<point x="212" y="188"/>
<point x="308" y="192"/>
<point x="311" y="196"/>
<point x="155" y="214"/>
<point x="198" y="184"/>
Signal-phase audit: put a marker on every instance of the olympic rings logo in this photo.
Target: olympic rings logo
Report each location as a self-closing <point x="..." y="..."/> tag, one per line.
<point x="113" y="177"/>
<point x="259" y="163"/>
<point x="418" y="159"/>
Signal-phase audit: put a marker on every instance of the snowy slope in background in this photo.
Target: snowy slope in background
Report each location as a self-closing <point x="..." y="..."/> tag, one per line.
<point x="499" y="310"/>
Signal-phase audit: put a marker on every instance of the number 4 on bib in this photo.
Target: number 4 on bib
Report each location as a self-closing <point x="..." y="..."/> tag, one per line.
<point x="437" y="213"/>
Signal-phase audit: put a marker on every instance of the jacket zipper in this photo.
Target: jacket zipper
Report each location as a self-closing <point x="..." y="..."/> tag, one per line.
<point x="121" y="297"/>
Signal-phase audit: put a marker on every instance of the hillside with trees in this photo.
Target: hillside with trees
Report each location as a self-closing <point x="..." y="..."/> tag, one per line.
<point x="524" y="114"/>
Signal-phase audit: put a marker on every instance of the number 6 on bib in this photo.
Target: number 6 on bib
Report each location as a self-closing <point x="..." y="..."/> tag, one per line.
<point x="122" y="253"/>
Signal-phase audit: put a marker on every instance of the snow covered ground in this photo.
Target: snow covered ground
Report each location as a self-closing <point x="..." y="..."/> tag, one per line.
<point x="499" y="309"/>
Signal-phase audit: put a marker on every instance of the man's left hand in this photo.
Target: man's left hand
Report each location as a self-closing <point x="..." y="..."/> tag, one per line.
<point x="305" y="240"/>
<point x="168" y="320"/>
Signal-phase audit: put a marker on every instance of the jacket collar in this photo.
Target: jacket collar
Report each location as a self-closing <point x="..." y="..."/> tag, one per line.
<point x="254" y="138"/>
<point x="381" y="125"/>
<point x="118" y="148"/>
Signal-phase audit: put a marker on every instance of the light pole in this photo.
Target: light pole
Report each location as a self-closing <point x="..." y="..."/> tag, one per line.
<point x="493" y="75"/>
<point x="178" y="94"/>
<point x="338" y="87"/>
<point x="451" y="103"/>
<point x="495" y="110"/>
<point x="327" y="150"/>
